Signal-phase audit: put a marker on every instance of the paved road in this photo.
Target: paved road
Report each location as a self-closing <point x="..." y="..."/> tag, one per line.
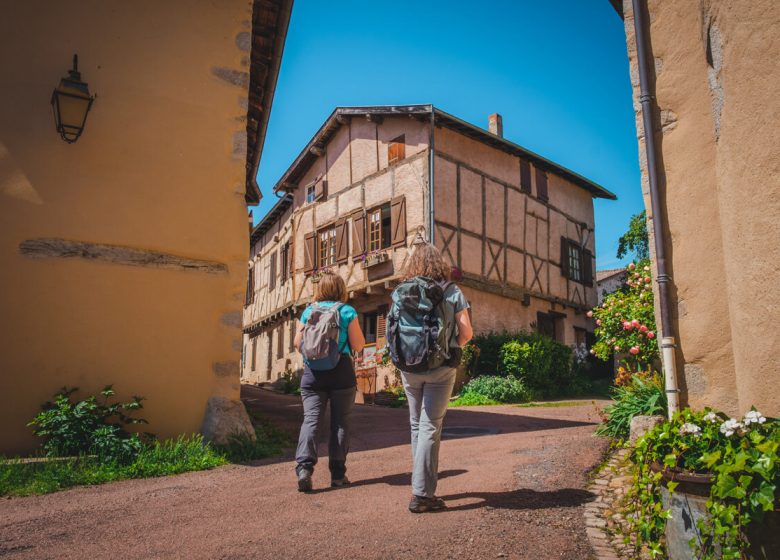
<point x="517" y="493"/>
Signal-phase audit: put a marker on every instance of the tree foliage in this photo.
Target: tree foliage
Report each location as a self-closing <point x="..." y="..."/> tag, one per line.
<point x="635" y="240"/>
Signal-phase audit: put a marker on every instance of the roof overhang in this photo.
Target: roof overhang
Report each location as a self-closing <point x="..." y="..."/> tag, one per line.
<point x="339" y="117"/>
<point x="270" y="20"/>
<point x="270" y="219"/>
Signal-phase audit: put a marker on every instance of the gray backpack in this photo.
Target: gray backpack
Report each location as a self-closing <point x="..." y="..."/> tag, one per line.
<point x="320" y="344"/>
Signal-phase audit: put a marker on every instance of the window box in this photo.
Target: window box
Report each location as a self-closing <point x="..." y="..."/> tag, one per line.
<point x="374" y="259"/>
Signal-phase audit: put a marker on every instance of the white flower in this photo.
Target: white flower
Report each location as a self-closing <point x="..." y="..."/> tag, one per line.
<point x="730" y="426"/>
<point x="689" y="428"/>
<point x="754" y="417"/>
<point x="710" y="417"/>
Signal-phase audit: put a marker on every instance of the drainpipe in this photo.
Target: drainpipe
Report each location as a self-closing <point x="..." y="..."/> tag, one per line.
<point x="646" y="98"/>
<point x="431" y="166"/>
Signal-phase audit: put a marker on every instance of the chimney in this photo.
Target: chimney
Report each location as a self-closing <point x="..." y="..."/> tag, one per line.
<point x="496" y="125"/>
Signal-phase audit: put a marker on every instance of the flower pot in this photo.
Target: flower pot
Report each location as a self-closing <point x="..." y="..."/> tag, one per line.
<point x="688" y="505"/>
<point x="374" y="260"/>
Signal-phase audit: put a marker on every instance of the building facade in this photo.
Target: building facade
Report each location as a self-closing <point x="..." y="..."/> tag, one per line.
<point x="609" y="281"/>
<point x="517" y="229"/>
<point x="715" y="118"/>
<point x="123" y="255"/>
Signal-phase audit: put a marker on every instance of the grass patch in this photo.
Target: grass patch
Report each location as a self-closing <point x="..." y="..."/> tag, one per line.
<point x="472" y="399"/>
<point x="24" y="478"/>
<point x="27" y="477"/>
<point x="554" y="404"/>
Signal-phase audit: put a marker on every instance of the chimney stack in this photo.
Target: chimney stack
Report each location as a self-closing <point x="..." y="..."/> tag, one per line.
<point x="496" y="125"/>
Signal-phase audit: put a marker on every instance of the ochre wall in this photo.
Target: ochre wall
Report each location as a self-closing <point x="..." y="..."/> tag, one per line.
<point x="719" y="139"/>
<point x="160" y="167"/>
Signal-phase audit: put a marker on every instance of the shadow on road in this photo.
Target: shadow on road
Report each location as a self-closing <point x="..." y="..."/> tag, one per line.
<point x="378" y="427"/>
<point x="523" y="498"/>
<point x="399" y="479"/>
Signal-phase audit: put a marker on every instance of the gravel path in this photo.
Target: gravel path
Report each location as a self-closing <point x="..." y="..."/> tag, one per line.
<point x="518" y="493"/>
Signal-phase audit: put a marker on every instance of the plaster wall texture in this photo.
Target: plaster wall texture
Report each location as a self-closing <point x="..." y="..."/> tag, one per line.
<point x="715" y="75"/>
<point x="160" y="167"/>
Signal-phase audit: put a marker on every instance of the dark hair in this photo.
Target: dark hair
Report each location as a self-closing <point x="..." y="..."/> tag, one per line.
<point x="331" y="287"/>
<point x="426" y="260"/>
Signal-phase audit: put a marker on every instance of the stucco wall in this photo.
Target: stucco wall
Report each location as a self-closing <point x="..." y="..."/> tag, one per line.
<point x="160" y="167"/>
<point x="716" y="70"/>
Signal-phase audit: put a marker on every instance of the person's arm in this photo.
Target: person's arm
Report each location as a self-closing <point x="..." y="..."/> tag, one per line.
<point x="465" y="331"/>
<point x="299" y="337"/>
<point x="355" y="334"/>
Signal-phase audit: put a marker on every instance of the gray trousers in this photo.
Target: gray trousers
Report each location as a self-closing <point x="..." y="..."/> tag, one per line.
<point x="314" y="403"/>
<point x="428" y="395"/>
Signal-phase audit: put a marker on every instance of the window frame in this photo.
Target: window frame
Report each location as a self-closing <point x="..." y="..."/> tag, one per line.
<point x="329" y="257"/>
<point x="311" y="193"/>
<point x="396" y="150"/>
<point x="576" y="265"/>
<point x="384" y="238"/>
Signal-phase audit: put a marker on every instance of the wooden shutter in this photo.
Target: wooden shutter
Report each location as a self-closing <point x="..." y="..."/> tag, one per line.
<point x="272" y="274"/>
<point x="292" y="334"/>
<point x="254" y="353"/>
<point x="358" y="234"/>
<point x="541" y="184"/>
<point x="565" y="256"/>
<point x="309" y="253"/>
<point x="398" y="221"/>
<point x="525" y="176"/>
<point x="250" y="287"/>
<point x="587" y="267"/>
<point x="280" y="342"/>
<point x="396" y="151"/>
<point x="342" y="247"/>
<point x="381" y="322"/>
<point x="321" y="189"/>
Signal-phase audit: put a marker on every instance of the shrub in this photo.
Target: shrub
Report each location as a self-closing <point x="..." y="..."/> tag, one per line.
<point x="269" y="441"/>
<point x="291" y="383"/>
<point x="491" y="389"/>
<point x="485" y="361"/>
<point x="543" y="364"/>
<point x="642" y="395"/>
<point x="88" y="426"/>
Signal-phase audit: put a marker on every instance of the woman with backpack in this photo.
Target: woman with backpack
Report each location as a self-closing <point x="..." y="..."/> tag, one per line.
<point x="426" y="327"/>
<point x="329" y="334"/>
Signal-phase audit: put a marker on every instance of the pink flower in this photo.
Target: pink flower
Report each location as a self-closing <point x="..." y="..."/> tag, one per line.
<point x="589" y="314"/>
<point x="634" y="350"/>
<point x="598" y="322"/>
<point x="635" y="323"/>
<point x="617" y="348"/>
<point x="650" y="334"/>
<point x="647" y="279"/>
<point x="647" y="269"/>
<point x="643" y="329"/>
<point x="631" y="266"/>
<point x="627" y="325"/>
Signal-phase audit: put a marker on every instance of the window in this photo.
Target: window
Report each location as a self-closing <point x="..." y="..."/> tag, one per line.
<point x="369" y="327"/>
<point x="292" y="334"/>
<point x="272" y="273"/>
<point x="396" y="150"/>
<point x="285" y="263"/>
<point x="327" y="247"/>
<point x="254" y="353"/>
<point x="250" y="287"/>
<point x="575" y="262"/>
<point x="311" y="193"/>
<point x="379" y="228"/>
<point x="280" y="342"/>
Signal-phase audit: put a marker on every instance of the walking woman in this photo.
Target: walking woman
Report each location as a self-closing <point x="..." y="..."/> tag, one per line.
<point x="328" y="335"/>
<point x="427" y="325"/>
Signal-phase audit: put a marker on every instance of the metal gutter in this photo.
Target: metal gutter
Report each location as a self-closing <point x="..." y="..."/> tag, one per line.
<point x="646" y="99"/>
<point x="431" y="184"/>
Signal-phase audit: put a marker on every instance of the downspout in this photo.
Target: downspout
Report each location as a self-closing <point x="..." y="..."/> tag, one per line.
<point x="646" y="98"/>
<point x="431" y="163"/>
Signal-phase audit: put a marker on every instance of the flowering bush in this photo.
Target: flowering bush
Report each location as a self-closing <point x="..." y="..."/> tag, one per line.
<point x="625" y="321"/>
<point x="742" y="457"/>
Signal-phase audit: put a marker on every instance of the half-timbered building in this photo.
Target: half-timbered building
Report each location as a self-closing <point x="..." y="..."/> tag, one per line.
<point x="517" y="228"/>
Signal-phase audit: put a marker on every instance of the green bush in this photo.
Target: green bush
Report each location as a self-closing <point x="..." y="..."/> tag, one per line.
<point x="491" y="389"/>
<point x="89" y="426"/>
<point x="543" y="364"/>
<point x="486" y="360"/>
<point x="269" y="441"/>
<point x="642" y="395"/>
<point x="291" y="383"/>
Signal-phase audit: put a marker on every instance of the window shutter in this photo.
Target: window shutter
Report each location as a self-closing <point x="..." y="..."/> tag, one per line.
<point x="565" y="256"/>
<point x="309" y="245"/>
<point x="250" y="287"/>
<point x="541" y="184"/>
<point x="272" y="274"/>
<point x="321" y="189"/>
<point x="525" y="176"/>
<point x="381" y="322"/>
<point x="396" y="151"/>
<point x="280" y="342"/>
<point x="398" y="221"/>
<point x="254" y="353"/>
<point x="342" y="247"/>
<point x="587" y="267"/>
<point x="358" y="234"/>
<point x="292" y="334"/>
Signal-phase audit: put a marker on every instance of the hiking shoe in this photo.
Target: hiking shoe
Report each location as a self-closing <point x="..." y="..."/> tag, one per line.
<point x="421" y="504"/>
<point x="339" y="482"/>
<point x="304" y="481"/>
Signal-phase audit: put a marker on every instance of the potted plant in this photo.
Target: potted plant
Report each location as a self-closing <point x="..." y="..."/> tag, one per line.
<point x="374" y="258"/>
<point x="705" y="487"/>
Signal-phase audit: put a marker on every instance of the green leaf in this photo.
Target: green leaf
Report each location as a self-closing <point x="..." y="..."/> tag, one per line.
<point x="709" y="459"/>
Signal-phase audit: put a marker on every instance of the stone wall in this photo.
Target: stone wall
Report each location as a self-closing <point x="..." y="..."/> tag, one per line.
<point x="715" y="66"/>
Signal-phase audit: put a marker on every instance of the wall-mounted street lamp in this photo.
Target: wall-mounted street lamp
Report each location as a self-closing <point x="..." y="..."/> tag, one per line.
<point x="71" y="102"/>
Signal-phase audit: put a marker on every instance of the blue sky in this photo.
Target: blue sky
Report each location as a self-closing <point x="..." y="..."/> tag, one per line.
<point x="556" y="70"/>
